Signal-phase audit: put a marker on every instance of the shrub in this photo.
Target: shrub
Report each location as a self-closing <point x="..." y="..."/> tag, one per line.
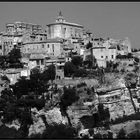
<point x="80" y="73"/>
<point x="6" y="132"/>
<point x="81" y="84"/>
<point x="59" y="131"/>
<point x="121" y="134"/>
<point x="135" y="134"/>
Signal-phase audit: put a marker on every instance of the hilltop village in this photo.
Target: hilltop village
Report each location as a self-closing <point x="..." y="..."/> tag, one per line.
<point x="63" y="82"/>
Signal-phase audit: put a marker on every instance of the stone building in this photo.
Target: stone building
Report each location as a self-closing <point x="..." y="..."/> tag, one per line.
<point x="61" y="28"/>
<point x="39" y="51"/>
<point x="72" y="33"/>
<point x="18" y="33"/>
<point x="107" y="49"/>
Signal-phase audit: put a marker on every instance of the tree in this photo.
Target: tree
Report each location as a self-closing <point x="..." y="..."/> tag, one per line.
<point x="89" y="46"/>
<point x="67" y="99"/>
<point x="135" y="134"/>
<point x="111" y="66"/>
<point x="3" y="62"/>
<point x="130" y="82"/>
<point x="69" y="69"/>
<point x="51" y="72"/>
<point x="80" y="73"/>
<point x="57" y="131"/>
<point x="14" y="58"/>
<point x="103" y="113"/>
<point x="90" y="61"/>
<point x="101" y="75"/>
<point x="121" y="134"/>
<point x="77" y="61"/>
<point x="136" y="59"/>
<point x="39" y="81"/>
<point x="24" y="95"/>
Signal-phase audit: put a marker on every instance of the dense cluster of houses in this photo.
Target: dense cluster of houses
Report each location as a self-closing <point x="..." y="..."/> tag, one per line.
<point x="54" y="44"/>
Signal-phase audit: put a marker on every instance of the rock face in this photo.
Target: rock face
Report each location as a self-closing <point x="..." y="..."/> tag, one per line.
<point x="84" y="133"/>
<point x="37" y="128"/>
<point x="54" y="116"/>
<point x="51" y="117"/>
<point x="15" y="124"/>
<point x="128" y="127"/>
<point x="121" y="108"/>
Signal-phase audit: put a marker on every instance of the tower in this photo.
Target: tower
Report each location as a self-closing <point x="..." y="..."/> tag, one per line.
<point x="60" y="17"/>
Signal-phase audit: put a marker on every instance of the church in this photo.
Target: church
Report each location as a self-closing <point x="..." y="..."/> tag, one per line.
<point x="63" y="29"/>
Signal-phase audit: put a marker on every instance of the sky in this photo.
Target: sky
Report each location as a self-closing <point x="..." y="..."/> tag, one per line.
<point x="105" y="19"/>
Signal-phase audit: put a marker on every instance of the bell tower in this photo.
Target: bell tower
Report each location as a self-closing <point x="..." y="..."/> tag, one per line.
<point x="60" y="18"/>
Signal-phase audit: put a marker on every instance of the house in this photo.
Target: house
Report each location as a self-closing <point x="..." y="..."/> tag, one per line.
<point x="107" y="50"/>
<point x="59" y="63"/>
<point x="15" y="74"/>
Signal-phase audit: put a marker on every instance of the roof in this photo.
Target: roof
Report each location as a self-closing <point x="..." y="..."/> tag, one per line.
<point x="98" y="39"/>
<point x="13" y="71"/>
<point x="55" y="60"/>
<point x="37" y="56"/>
<point x="25" y="60"/>
<point x="112" y="47"/>
<point x="66" y="23"/>
<point x="98" y="47"/>
<point x="54" y="40"/>
<point x="69" y="46"/>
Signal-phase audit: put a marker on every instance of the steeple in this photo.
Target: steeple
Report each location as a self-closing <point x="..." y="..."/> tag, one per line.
<point x="60" y="14"/>
<point x="60" y="17"/>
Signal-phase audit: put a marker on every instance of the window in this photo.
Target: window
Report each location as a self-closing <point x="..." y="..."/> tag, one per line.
<point x="48" y="46"/>
<point x="53" y="47"/>
<point x="101" y="56"/>
<point x="106" y="57"/>
<point x="112" y="56"/>
<point x="42" y="45"/>
<point x="64" y="31"/>
<point x="37" y="62"/>
<point x="71" y="31"/>
<point x="42" y="62"/>
<point x="41" y="39"/>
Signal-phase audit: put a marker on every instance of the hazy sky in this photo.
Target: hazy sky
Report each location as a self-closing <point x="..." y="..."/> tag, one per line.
<point x="105" y="19"/>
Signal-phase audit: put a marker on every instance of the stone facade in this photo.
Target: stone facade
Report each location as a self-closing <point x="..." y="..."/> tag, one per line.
<point x="20" y="32"/>
<point x="107" y="49"/>
<point x="60" y="39"/>
<point x="64" y="29"/>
